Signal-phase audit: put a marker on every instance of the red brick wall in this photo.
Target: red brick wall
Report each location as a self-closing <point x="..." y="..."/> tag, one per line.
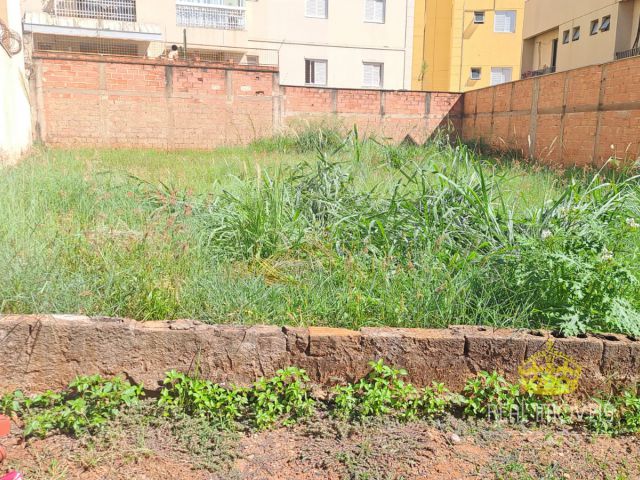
<point x="393" y="115"/>
<point x="115" y="102"/>
<point x="580" y="117"/>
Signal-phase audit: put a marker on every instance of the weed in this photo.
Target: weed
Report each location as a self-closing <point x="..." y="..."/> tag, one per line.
<point x="202" y="398"/>
<point x="283" y="398"/>
<point x="383" y="392"/>
<point x="84" y="407"/>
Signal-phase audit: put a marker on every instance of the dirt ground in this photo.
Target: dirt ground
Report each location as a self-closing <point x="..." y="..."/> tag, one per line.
<point x="145" y="447"/>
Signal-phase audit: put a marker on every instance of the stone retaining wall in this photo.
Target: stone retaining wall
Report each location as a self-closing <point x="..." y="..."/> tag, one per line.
<point x="41" y="352"/>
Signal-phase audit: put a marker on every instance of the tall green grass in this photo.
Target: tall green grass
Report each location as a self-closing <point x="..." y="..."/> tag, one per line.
<point x="322" y="229"/>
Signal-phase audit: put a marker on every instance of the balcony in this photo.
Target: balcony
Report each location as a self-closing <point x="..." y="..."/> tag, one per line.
<point x="633" y="52"/>
<point x="211" y="14"/>
<point x="117" y="10"/>
<point x="537" y="73"/>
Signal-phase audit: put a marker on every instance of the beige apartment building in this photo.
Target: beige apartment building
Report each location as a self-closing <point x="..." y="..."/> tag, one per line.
<point x="565" y="34"/>
<point x="333" y="43"/>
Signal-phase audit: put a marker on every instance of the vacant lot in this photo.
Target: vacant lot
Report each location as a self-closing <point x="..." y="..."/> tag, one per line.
<point x="321" y="230"/>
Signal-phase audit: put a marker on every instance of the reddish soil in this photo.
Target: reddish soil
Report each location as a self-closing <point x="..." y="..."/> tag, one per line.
<point x="325" y="449"/>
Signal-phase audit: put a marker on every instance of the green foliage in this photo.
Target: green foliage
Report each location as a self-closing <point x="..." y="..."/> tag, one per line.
<point x="491" y="396"/>
<point x="284" y="398"/>
<point x="202" y="398"/>
<point x="616" y="415"/>
<point x="84" y="407"/>
<point x="322" y="228"/>
<point x="383" y="392"/>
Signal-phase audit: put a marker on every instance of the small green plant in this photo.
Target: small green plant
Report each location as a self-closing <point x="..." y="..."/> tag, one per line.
<point x="85" y="406"/>
<point x="202" y="398"/>
<point x="285" y="398"/>
<point x="489" y="395"/>
<point x="616" y="416"/>
<point x="383" y="392"/>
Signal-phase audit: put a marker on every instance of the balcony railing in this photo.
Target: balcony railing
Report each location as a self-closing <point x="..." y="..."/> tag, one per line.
<point x="191" y="13"/>
<point x="119" y="10"/>
<point x="537" y="73"/>
<point x="633" y="52"/>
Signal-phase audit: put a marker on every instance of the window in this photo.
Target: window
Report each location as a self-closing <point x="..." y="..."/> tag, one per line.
<point x="316" y="8"/>
<point x="253" y="60"/>
<point x="373" y="73"/>
<point x="476" y="73"/>
<point x="565" y="36"/>
<point x="478" y="17"/>
<point x="594" y="27"/>
<point x="606" y="24"/>
<point x="374" y="11"/>
<point x="505" y="21"/>
<point x="500" y="75"/>
<point x="209" y="14"/>
<point x="315" y="72"/>
<point x="576" y="34"/>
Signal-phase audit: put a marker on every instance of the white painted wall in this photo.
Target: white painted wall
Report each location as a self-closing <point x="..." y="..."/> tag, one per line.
<point x="15" y="110"/>
<point x="344" y="39"/>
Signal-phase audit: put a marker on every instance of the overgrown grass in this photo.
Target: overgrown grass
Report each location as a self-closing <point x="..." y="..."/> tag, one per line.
<point x="319" y="229"/>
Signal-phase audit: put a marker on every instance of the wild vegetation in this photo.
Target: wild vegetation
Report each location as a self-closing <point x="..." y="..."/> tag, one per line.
<point x="89" y="403"/>
<point x="322" y="229"/>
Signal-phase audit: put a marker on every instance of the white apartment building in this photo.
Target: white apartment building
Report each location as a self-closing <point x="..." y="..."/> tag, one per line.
<point x="332" y="43"/>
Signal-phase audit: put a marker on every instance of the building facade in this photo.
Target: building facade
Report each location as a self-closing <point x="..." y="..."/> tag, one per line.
<point x="333" y="43"/>
<point x="15" y="108"/>
<point x="562" y="35"/>
<point x="460" y="45"/>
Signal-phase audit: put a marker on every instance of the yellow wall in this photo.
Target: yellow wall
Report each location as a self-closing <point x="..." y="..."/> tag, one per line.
<point x="447" y="43"/>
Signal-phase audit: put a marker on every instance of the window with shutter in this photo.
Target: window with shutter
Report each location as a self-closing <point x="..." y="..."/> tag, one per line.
<point x="315" y="72"/>
<point x="373" y="75"/>
<point x="500" y="75"/>
<point x="374" y="11"/>
<point x="505" y="21"/>
<point x="316" y="8"/>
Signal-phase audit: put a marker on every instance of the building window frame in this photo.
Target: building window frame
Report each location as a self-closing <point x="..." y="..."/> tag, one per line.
<point x="503" y="70"/>
<point x="566" y="37"/>
<point x="575" y="35"/>
<point x="595" y="27"/>
<point x="479" y="17"/>
<point x="512" y="15"/>
<point x="372" y="19"/>
<point x="368" y="84"/>
<point x="605" y="25"/>
<point x="475" y="73"/>
<point x="310" y="71"/>
<point x="309" y="10"/>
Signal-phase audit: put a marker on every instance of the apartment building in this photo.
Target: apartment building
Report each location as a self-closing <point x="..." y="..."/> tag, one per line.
<point x="562" y="35"/>
<point x="332" y="43"/>
<point x="460" y="45"/>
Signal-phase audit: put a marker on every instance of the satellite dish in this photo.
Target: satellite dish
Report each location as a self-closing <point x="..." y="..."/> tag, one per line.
<point x="10" y="39"/>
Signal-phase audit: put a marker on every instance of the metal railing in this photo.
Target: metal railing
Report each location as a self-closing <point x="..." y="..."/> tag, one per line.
<point x="119" y="10"/>
<point x="194" y="14"/>
<point x="633" y="52"/>
<point x="212" y="54"/>
<point x="537" y="73"/>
